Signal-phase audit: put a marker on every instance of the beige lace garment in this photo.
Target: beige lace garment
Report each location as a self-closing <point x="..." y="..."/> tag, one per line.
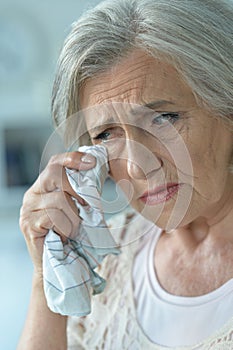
<point x="112" y="325"/>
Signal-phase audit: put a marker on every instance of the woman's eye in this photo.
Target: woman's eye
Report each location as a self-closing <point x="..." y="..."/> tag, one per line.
<point x="103" y="136"/>
<point x="110" y="134"/>
<point x="165" y="118"/>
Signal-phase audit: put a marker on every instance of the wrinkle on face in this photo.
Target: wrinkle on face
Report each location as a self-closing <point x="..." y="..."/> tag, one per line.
<point x="137" y="75"/>
<point x="139" y="79"/>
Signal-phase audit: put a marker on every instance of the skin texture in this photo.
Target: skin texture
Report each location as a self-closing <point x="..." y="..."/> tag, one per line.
<point x="190" y="147"/>
<point x="199" y="235"/>
<point x="48" y="204"/>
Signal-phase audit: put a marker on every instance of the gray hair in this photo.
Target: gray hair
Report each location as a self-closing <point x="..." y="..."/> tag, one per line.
<point x="195" y="36"/>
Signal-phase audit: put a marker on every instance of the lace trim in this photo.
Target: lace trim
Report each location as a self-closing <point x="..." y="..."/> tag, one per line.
<point x="119" y="329"/>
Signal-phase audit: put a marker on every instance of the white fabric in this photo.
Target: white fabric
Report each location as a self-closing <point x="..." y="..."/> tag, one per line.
<point x="68" y="269"/>
<point x="172" y="320"/>
<point x="113" y="322"/>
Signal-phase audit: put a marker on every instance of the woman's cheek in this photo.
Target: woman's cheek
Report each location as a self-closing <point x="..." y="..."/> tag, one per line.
<point x="118" y="169"/>
<point x="209" y="183"/>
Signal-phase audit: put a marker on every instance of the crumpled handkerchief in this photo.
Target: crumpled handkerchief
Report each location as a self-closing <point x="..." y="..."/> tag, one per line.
<point x="68" y="268"/>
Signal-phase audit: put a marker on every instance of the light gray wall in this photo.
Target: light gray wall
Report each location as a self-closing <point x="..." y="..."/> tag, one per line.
<point x="31" y="35"/>
<point x="38" y="29"/>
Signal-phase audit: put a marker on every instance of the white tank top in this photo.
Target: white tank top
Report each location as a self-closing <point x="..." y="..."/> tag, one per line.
<point x="170" y="320"/>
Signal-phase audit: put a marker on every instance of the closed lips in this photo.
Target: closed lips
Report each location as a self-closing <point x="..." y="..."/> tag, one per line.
<point x="160" y="194"/>
<point x="160" y="189"/>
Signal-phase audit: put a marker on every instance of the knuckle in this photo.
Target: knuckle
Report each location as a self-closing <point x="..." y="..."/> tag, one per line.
<point x="51" y="168"/>
<point x="22" y="223"/>
<point x="51" y="178"/>
<point x="24" y="226"/>
<point x="57" y="159"/>
<point x="29" y="202"/>
<point x="53" y="159"/>
<point x="27" y="196"/>
<point x="74" y="156"/>
<point x="23" y="217"/>
<point x="21" y="213"/>
<point x="38" y="225"/>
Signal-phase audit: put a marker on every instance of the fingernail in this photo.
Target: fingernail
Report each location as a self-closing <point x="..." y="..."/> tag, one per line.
<point x="88" y="159"/>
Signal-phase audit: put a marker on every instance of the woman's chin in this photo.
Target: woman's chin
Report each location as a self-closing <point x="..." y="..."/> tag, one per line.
<point x="165" y="219"/>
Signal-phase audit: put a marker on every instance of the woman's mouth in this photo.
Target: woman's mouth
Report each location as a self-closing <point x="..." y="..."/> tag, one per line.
<point x="160" y="194"/>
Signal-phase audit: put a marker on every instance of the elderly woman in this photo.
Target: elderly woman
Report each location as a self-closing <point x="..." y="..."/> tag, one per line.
<point x="153" y="79"/>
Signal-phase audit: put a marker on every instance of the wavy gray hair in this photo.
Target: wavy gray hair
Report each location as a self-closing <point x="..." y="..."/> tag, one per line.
<point x="195" y="36"/>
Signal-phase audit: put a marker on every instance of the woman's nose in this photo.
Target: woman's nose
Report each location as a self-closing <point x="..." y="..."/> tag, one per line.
<point x="141" y="162"/>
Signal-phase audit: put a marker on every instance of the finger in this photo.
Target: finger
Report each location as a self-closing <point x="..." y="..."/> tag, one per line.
<point x="54" y="219"/>
<point x="63" y="224"/>
<point x="63" y="202"/>
<point x="32" y="225"/>
<point x="50" y="181"/>
<point x="54" y="175"/>
<point x="54" y="200"/>
<point x="74" y="160"/>
<point x="36" y="226"/>
<point x="38" y="223"/>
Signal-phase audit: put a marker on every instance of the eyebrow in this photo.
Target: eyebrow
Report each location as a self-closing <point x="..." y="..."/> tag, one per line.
<point x="134" y="111"/>
<point x="108" y="121"/>
<point x="152" y="105"/>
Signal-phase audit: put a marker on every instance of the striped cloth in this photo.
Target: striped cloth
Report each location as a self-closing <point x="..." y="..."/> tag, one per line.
<point x="68" y="268"/>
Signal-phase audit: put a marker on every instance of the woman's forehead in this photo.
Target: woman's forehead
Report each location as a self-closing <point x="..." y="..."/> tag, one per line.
<point x="138" y="79"/>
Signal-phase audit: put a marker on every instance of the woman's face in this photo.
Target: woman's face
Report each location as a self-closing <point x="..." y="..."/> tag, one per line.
<point x="169" y="155"/>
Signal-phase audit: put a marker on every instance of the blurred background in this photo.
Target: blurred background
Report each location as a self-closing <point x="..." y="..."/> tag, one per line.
<point x="31" y="36"/>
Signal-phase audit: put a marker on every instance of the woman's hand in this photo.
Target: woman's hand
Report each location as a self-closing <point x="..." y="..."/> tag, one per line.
<point x="48" y="204"/>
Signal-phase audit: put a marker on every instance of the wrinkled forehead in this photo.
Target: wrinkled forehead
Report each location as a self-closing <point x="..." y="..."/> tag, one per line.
<point x="136" y="79"/>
